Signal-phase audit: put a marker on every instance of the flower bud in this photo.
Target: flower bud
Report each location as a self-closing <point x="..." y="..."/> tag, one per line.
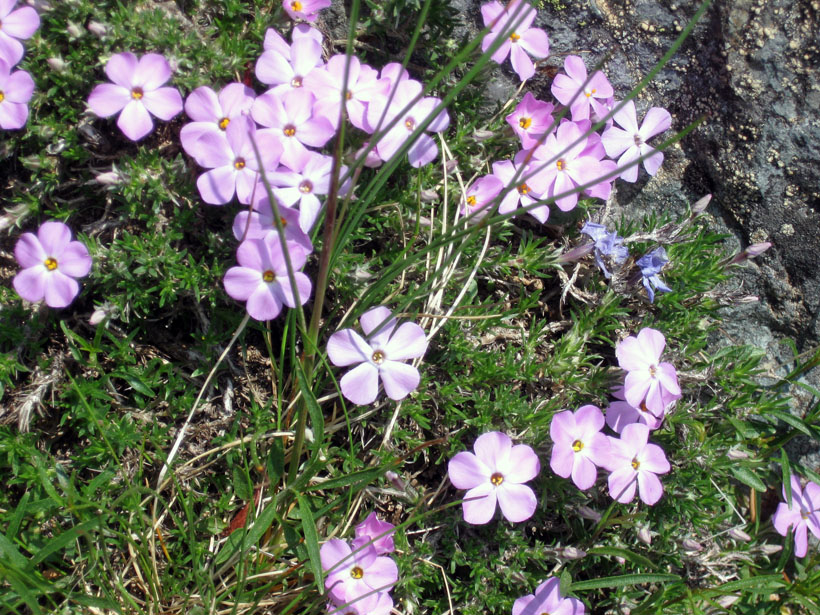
<point x="571" y="553"/>
<point x="749" y="299"/>
<point x="576" y="253"/>
<point x="450" y="165"/>
<point x="736" y="454"/>
<point x="74" y="30"/>
<point x="428" y="196"/>
<point x="109" y="178"/>
<point x="756" y="249"/>
<point x="691" y="545"/>
<point x="771" y="549"/>
<point x="56" y="64"/>
<point x="645" y="536"/>
<point x="482" y="135"/>
<point x="96" y="28"/>
<point x="727" y="600"/>
<point x="395" y="480"/>
<point x="700" y="205"/>
<point x="587" y="513"/>
<point x="739" y="534"/>
<point x="372" y="159"/>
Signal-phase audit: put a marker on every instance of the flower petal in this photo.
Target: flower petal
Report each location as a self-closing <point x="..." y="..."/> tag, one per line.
<point x="29" y="251"/>
<point x="622" y="484"/>
<point x="522" y="464"/>
<point x="54" y="237"/>
<point x="60" y="289"/>
<point x="398" y="378"/>
<point x="265" y="302"/>
<point x="407" y="342"/>
<point x="135" y="121"/>
<point x="493" y="449"/>
<point x="152" y="71"/>
<point x="121" y="67"/>
<point x="518" y="502"/>
<point x="347" y="347"/>
<point x="75" y="260"/>
<point x="106" y="99"/>
<point x="584" y="473"/>
<point x="467" y="471"/>
<point x="164" y="103"/>
<point x="650" y="487"/>
<point x="479" y="504"/>
<point x="361" y="384"/>
<point x="30" y="283"/>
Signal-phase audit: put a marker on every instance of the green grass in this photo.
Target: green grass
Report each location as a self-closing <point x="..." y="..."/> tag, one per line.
<point x="91" y="412"/>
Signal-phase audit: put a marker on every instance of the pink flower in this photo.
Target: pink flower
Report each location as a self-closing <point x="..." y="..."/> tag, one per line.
<point x="15" y="26"/>
<point x="803" y="515"/>
<point x="523" y="40"/>
<point x="582" y="99"/>
<point x="379" y="532"/>
<point x="647" y="381"/>
<point x="258" y="222"/>
<point x="289" y="116"/>
<point x="564" y="164"/>
<point x="547" y="599"/>
<point x="635" y="463"/>
<point x="16" y="89"/>
<point x="532" y="120"/>
<point x="234" y="168"/>
<point x="479" y="196"/>
<point x="382" y="357"/>
<point x="355" y="572"/>
<point x="285" y="66"/>
<point x="212" y="112"/>
<point x="579" y="446"/>
<point x="136" y="93"/>
<point x="619" y="414"/>
<point x="525" y="193"/>
<point x="629" y="142"/>
<point x="423" y="150"/>
<point x="304" y="9"/>
<point x="306" y="175"/>
<point x="50" y="261"/>
<point x="379" y="603"/>
<point x="495" y="473"/>
<point x="262" y="279"/>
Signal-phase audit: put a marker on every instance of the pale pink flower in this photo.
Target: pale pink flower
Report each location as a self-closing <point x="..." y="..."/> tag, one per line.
<point x="379" y="532"/>
<point x="16" y="89"/>
<point x="629" y="141"/>
<point x="801" y="516"/>
<point x="585" y="101"/>
<point x="304" y="9"/>
<point x="480" y="194"/>
<point x="495" y="473"/>
<point x="15" y="25"/>
<point x="579" y="447"/>
<point x="547" y="599"/>
<point x="635" y="464"/>
<point x="523" y="40"/>
<point x="284" y="66"/>
<point x="213" y="112"/>
<point x="532" y="120"/>
<point x="357" y="571"/>
<point x="648" y="381"/>
<point x="523" y="193"/>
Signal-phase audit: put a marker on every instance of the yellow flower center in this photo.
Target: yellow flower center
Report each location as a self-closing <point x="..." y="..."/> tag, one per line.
<point x="410" y="123"/>
<point x="638" y="140"/>
<point x="523" y="189"/>
<point x="356" y="572"/>
<point x="525" y="122"/>
<point x="136" y="93"/>
<point x="2" y="96"/>
<point x="635" y="463"/>
<point x="239" y="164"/>
<point x="348" y="95"/>
<point x="561" y="165"/>
<point x="497" y="478"/>
<point x="306" y="187"/>
<point x="269" y="276"/>
<point x="223" y="123"/>
<point x="514" y="37"/>
<point x="378" y="357"/>
<point x="804" y="514"/>
<point x="296" y="82"/>
<point x="289" y="130"/>
<point x="653" y="369"/>
<point x="50" y="263"/>
<point x="577" y="446"/>
<point x="471" y="200"/>
<point x="297" y="6"/>
<point x="590" y="93"/>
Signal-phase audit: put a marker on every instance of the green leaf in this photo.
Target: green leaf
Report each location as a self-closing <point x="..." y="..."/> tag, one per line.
<point x="787" y="475"/>
<point x="763" y="584"/>
<point x="311" y="540"/>
<point x="10" y="553"/>
<point x="361" y="477"/>
<point x="57" y="544"/>
<point x="747" y="477"/>
<point x="317" y="419"/>
<point x="253" y="535"/>
<point x="17" y="517"/>
<point x="792" y="420"/>
<point x="623" y="580"/>
<point x="635" y="558"/>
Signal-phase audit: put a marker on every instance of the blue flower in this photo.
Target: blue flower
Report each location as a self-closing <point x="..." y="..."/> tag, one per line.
<point x="651" y="264"/>
<point x="606" y="244"/>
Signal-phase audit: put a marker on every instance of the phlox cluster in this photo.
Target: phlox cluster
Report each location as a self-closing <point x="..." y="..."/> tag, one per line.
<point x="16" y="86"/>
<point x="561" y="156"/>
<point x="360" y="573"/>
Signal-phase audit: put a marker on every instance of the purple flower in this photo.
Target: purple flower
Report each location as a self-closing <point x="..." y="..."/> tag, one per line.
<point x="606" y="244"/>
<point x="423" y="150"/>
<point x="582" y="99"/>
<point x="15" y="26"/>
<point x="258" y="222"/>
<point x="567" y="165"/>
<point x="306" y="175"/>
<point x="647" y="381"/>
<point x="304" y="9"/>
<point x="16" y="89"/>
<point x="547" y="599"/>
<point x="357" y="571"/>
<point x="136" y="93"/>
<point x="579" y="446"/>
<point x="289" y="116"/>
<point x="379" y="532"/>
<point x="363" y="85"/>
<point x="620" y="413"/>
<point x="629" y="141"/>
<point x="651" y="264"/>
<point x="525" y="193"/>
<point x="803" y="515"/>
<point x="522" y="41"/>
<point x="531" y="120"/>
<point x="50" y="261"/>
<point x="234" y="168"/>
<point x="495" y="473"/>
<point x="212" y="112"/>
<point x="480" y="195"/>
<point x="262" y="279"/>
<point x="635" y="463"/>
<point x="285" y="66"/>
<point x="382" y="357"/>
